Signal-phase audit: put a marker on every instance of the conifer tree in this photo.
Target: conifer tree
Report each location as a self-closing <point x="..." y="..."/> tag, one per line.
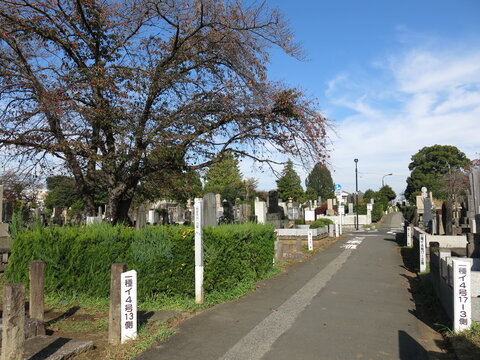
<point x="289" y="184"/>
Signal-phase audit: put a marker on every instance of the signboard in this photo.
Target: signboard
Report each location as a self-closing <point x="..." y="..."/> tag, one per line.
<point x="370" y="207"/>
<point x="310" y="240"/>
<point x="409" y="236"/>
<point x="341" y="210"/>
<point x="462" y="292"/>
<point x="198" y="207"/>
<point x="423" y="252"/>
<point x="128" y="306"/>
<point x="337" y="188"/>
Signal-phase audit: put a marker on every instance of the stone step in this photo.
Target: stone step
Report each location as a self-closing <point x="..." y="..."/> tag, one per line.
<point x="54" y="348"/>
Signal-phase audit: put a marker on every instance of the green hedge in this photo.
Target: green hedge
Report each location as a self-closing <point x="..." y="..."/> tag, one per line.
<point x="320" y="223"/>
<point x="78" y="259"/>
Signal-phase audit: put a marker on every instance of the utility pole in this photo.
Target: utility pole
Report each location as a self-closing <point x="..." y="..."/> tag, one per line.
<point x="356" y="193"/>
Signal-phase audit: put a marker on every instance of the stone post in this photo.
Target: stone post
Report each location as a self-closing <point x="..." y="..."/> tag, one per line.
<point x="1" y="203"/>
<point x="37" y="285"/>
<point x="114" y="319"/>
<point x="13" y="333"/>
<point x="473" y="245"/>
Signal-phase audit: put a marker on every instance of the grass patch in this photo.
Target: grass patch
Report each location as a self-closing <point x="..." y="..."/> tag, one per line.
<point x="149" y="334"/>
<point x="73" y="325"/>
<point x="62" y="302"/>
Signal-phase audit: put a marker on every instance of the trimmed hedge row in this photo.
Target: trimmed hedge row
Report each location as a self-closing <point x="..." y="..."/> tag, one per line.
<point x="78" y="259"/>
<point x="322" y="222"/>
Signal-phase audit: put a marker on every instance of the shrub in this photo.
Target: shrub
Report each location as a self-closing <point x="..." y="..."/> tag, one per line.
<point x="320" y="223"/>
<point x="409" y="213"/>
<point x="377" y="212"/>
<point x="78" y="259"/>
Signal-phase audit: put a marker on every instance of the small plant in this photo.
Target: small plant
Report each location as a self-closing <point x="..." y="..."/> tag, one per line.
<point x="322" y="222"/>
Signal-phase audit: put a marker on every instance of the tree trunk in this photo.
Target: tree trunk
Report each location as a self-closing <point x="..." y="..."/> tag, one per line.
<point x="119" y="202"/>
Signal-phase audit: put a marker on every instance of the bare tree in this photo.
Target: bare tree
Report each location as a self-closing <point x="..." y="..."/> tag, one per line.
<point x="136" y="87"/>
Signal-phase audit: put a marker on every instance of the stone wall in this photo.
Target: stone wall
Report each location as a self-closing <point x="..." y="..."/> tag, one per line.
<point x="441" y="269"/>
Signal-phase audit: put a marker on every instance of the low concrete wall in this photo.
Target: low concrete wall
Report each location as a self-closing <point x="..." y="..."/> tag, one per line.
<point x="291" y="243"/>
<point x="441" y="269"/>
<point x="301" y="232"/>
<point x="444" y="241"/>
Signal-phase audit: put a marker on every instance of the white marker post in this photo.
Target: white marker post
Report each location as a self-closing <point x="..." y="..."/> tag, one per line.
<point x="341" y="212"/>
<point x="310" y="240"/>
<point x="128" y="306"/>
<point x="198" y="251"/>
<point x="337" y="229"/>
<point x="409" y="236"/>
<point x="423" y="252"/>
<point x="462" y="290"/>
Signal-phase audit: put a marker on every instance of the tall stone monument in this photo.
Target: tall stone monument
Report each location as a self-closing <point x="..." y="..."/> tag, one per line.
<point x="209" y="210"/>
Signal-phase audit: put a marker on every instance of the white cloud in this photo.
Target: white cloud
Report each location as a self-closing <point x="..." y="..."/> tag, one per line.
<point x="434" y="98"/>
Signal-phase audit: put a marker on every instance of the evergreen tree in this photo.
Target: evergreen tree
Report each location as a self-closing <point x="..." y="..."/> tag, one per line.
<point x="319" y="183"/>
<point x="225" y="178"/>
<point x="429" y="166"/>
<point x="289" y="184"/>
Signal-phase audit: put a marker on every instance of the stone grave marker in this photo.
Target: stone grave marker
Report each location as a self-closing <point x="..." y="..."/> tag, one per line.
<point x="260" y="211"/>
<point x="209" y="217"/>
<point x="350" y="208"/>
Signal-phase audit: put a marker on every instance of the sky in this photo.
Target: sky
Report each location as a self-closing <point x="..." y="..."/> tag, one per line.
<point x="392" y="76"/>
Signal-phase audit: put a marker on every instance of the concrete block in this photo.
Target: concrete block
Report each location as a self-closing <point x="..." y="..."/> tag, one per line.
<point x="54" y="348"/>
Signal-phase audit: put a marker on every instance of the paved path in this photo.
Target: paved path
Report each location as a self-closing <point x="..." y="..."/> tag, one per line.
<point x="348" y="302"/>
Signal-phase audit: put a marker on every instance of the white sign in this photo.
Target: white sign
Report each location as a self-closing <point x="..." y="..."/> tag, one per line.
<point x="310" y="240"/>
<point x="423" y="252"/>
<point x="198" y="208"/>
<point x="409" y="235"/>
<point x="341" y="210"/>
<point x="370" y="207"/>
<point x="128" y="305"/>
<point x="462" y="292"/>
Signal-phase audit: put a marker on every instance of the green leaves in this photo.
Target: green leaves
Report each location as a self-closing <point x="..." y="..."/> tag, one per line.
<point x="289" y="184"/>
<point x="319" y="183"/>
<point x="78" y="259"/>
<point x="428" y="167"/>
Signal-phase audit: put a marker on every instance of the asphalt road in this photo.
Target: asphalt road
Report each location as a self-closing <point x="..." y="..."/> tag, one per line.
<point x="350" y="301"/>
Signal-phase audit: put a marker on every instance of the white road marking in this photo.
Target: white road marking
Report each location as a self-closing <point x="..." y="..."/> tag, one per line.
<point x="260" y="339"/>
<point x="352" y="244"/>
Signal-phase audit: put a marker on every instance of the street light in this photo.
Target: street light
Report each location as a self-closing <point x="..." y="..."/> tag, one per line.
<point x="384" y="178"/>
<point x="356" y="190"/>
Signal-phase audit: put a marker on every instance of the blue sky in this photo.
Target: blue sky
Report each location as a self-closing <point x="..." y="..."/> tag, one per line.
<point x="393" y="76"/>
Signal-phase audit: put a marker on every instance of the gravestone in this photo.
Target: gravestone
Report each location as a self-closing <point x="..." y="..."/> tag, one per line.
<point x="475" y="199"/>
<point x="3" y="226"/>
<point x="473" y="245"/>
<point x="228" y="214"/>
<point x="350" y="208"/>
<point x="141" y="217"/>
<point x="330" y="211"/>
<point x="273" y="207"/>
<point x="209" y="210"/>
<point x="260" y="211"/>
<point x="275" y="214"/>
<point x="447" y="217"/>
<point x="57" y="216"/>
